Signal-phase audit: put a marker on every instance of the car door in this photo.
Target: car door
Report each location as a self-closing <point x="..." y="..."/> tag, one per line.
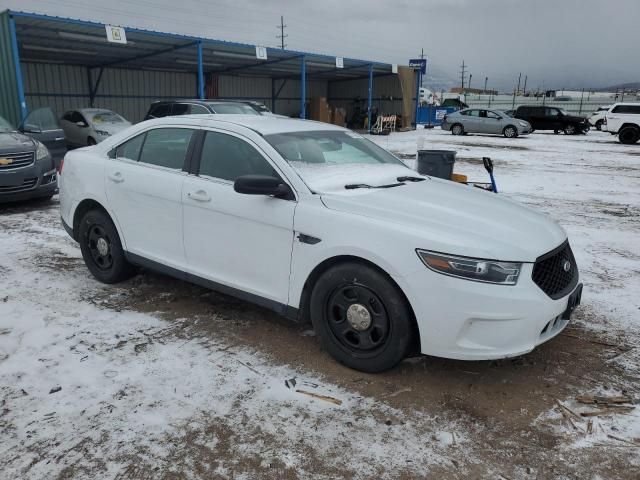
<point x="471" y="121"/>
<point x="493" y="123"/>
<point x="143" y="182"/>
<point x="236" y="240"/>
<point x="42" y="125"/>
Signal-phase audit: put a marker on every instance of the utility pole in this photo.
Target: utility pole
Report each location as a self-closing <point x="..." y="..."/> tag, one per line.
<point x="486" y="79"/>
<point x="282" y="36"/>
<point x="469" y="82"/>
<point x="463" y="72"/>
<point x="524" y="89"/>
<point x="519" y="78"/>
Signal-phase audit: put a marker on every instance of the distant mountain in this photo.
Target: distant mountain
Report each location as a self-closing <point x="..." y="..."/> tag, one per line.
<point x="620" y="86"/>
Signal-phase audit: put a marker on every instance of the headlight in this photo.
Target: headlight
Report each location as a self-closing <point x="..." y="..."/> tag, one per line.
<point x="477" y="269"/>
<point x="523" y="124"/>
<point x="42" y="152"/>
<point x="102" y="132"/>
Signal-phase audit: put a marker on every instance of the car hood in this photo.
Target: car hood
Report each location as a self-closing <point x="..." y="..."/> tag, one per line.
<point x="456" y="219"/>
<point x="13" y="142"/>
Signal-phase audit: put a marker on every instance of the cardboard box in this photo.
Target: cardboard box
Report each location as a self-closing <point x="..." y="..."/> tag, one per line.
<point x="319" y="110"/>
<point x="339" y="117"/>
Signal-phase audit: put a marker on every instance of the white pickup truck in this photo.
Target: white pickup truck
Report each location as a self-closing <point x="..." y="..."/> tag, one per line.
<point x="623" y="119"/>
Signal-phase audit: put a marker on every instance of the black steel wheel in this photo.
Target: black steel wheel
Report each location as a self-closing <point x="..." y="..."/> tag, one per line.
<point x="629" y="135"/>
<point x="361" y="317"/>
<point x="101" y="248"/>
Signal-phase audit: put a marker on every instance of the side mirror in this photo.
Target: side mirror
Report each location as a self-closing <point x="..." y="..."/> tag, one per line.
<point x="263" y="185"/>
<point x="29" y="129"/>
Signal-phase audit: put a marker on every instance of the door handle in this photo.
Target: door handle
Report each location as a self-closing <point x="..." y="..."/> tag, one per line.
<point x="58" y="139"/>
<point x="116" y="177"/>
<point x="199" y="196"/>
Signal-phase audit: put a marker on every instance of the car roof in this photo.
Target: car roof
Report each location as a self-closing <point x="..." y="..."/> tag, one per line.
<point x="625" y="103"/>
<point x="206" y="101"/>
<point x="93" y="110"/>
<point x="262" y="124"/>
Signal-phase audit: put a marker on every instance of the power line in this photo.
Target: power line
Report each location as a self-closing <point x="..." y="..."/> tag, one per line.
<point x="282" y="36"/>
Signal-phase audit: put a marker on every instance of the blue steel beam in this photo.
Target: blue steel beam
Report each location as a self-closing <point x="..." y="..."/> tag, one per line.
<point x="18" y="69"/>
<point x="200" y="73"/>
<point x="303" y="88"/>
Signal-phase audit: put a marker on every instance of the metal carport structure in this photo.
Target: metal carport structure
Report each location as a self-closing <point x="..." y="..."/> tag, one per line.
<point x="70" y="63"/>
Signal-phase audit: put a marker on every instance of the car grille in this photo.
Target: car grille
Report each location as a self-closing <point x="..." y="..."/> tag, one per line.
<point x="27" y="184"/>
<point x="18" y="160"/>
<point x="551" y="275"/>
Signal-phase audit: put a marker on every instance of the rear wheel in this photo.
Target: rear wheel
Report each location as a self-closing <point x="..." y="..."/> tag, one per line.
<point x="457" y="129"/>
<point x="510" y="131"/>
<point x="629" y="135"/>
<point x="101" y="248"/>
<point x="361" y="317"/>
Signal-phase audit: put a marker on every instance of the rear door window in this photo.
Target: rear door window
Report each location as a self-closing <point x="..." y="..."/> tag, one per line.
<point x="166" y="147"/>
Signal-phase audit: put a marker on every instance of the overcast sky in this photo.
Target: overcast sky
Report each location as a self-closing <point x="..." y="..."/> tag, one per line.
<point x="557" y="43"/>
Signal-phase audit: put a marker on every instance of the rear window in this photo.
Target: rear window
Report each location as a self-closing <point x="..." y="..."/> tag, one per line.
<point x="161" y="110"/>
<point x="633" y="109"/>
<point x="233" y="108"/>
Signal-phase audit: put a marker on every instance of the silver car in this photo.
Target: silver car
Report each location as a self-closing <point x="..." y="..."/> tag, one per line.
<point x="478" y="120"/>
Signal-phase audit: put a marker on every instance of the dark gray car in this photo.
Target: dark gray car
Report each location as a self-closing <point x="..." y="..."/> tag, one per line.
<point x="479" y="120"/>
<point x="27" y="169"/>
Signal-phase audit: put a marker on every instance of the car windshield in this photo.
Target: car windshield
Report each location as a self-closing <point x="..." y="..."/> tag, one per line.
<point x="233" y="108"/>
<point x="5" y="126"/>
<point x="326" y="159"/>
<point x="106" y="117"/>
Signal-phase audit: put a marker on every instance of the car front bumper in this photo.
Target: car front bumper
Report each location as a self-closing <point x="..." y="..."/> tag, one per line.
<point x="34" y="181"/>
<point x="468" y="320"/>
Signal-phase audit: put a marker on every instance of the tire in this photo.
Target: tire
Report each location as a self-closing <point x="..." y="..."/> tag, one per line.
<point x="629" y="135"/>
<point x="101" y="248"/>
<point x="457" y="129"/>
<point x="598" y="125"/>
<point x="361" y="317"/>
<point x="91" y="141"/>
<point x="510" y="131"/>
<point x="570" y="129"/>
<point x="556" y="132"/>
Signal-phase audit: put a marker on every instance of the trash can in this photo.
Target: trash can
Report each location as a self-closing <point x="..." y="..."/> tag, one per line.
<point x="436" y="163"/>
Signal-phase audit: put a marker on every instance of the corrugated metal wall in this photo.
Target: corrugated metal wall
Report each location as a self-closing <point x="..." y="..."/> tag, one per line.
<point x="129" y="92"/>
<point x="9" y="103"/>
<point x="387" y="94"/>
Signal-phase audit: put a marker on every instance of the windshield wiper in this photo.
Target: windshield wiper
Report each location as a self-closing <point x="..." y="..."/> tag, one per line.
<point x="353" y="186"/>
<point x="410" y="179"/>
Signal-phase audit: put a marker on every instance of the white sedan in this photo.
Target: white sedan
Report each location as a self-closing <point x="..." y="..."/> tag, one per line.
<point x="318" y="223"/>
<point x="89" y="126"/>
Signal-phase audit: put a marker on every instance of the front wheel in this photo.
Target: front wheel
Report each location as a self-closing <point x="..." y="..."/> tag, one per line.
<point x="361" y="317"/>
<point x="457" y="129"/>
<point x="569" y="130"/>
<point x="598" y="125"/>
<point x="510" y="131"/>
<point x="101" y="248"/>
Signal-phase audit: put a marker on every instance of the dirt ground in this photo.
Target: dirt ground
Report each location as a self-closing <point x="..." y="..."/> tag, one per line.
<point x="498" y="402"/>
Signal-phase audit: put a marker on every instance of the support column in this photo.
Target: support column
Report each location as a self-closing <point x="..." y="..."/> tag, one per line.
<point x="200" y="73"/>
<point x="18" y="69"/>
<point x="369" y="97"/>
<point x="303" y="88"/>
<point x="273" y="95"/>
<point x="418" y="82"/>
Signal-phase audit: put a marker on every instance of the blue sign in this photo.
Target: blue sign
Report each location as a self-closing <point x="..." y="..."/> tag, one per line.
<point x="419" y="64"/>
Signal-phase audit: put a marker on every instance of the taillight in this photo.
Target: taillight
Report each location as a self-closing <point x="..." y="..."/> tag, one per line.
<point x="60" y="167"/>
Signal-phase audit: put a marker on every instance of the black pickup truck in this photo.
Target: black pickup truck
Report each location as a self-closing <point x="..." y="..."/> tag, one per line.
<point x="552" y="118"/>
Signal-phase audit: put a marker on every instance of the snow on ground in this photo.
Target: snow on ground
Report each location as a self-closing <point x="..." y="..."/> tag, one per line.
<point x="84" y="389"/>
<point x="92" y="391"/>
<point x="591" y="186"/>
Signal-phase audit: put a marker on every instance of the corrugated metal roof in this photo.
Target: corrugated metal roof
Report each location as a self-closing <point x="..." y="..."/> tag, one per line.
<point x="69" y="41"/>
